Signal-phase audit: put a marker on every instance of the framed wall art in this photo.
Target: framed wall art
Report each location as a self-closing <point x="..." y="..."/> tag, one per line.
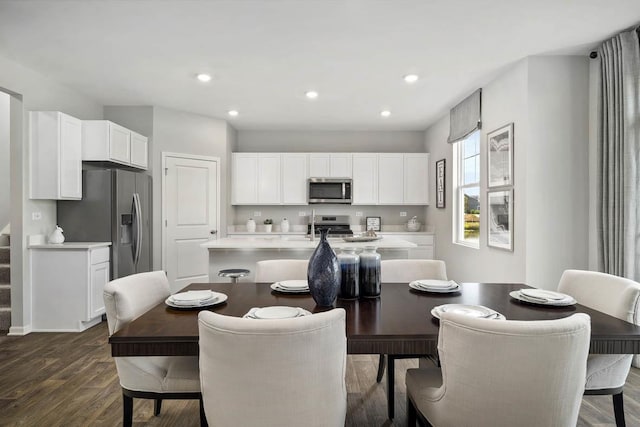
<point x="500" y="219"/>
<point x="500" y="156"/>
<point x="440" y="183"/>
<point x="373" y="223"/>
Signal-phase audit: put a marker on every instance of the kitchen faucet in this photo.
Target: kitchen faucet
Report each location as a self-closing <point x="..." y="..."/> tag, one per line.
<point x="312" y="235"/>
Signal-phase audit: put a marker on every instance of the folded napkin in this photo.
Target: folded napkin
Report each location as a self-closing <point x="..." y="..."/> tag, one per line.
<point x="293" y="284"/>
<point x="251" y="314"/>
<point x="436" y="284"/>
<point x="192" y="296"/>
<point x="541" y="295"/>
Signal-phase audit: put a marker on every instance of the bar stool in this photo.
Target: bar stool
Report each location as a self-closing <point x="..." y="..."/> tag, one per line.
<point x="234" y="273"/>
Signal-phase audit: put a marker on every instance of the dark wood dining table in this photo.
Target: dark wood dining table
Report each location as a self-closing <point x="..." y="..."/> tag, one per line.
<point x="399" y="322"/>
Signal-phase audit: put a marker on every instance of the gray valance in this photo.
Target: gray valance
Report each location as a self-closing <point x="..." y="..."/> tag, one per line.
<point x="466" y="117"/>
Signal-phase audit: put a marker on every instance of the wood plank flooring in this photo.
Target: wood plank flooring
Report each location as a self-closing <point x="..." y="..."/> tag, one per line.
<point x="71" y="380"/>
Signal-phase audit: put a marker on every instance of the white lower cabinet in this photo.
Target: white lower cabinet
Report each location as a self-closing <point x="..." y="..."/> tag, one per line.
<point x="425" y="242"/>
<point x="67" y="286"/>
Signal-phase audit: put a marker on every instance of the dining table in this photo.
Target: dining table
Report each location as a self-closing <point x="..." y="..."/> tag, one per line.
<point x="398" y="323"/>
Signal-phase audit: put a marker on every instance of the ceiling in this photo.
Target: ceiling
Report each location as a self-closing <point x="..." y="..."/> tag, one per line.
<point x="264" y="55"/>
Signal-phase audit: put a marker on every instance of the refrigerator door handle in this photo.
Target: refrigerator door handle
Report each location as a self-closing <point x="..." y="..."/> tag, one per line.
<point x="138" y="216"/>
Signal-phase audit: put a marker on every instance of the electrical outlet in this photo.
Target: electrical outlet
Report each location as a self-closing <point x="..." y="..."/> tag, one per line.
<point x="403" y="214"/>
<point x="358" y="213"/>
<point x="257" y="213"/>
<point x="302" y="213"/>
<point x="36" y="216"/>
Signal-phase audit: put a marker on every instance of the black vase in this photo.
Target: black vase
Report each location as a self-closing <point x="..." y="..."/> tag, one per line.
<point x="323" y="273"/>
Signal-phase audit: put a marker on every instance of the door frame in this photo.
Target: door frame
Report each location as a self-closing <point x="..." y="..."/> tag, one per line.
<point x="163" y="196"/>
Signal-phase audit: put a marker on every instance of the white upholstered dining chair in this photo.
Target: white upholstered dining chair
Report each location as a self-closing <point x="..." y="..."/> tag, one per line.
<point x="155" y="377"/>
<point x="284" y="372"/>
<point x="274" y="270"/>
<point x="618" y="297"/>
<point x="502" y="373"/>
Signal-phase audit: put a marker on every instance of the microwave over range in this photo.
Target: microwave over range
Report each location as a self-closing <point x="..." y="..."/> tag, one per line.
<point x="329" y="190"/>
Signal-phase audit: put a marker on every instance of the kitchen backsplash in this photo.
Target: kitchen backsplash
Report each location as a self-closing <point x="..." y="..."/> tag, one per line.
<point x="389" y="215"/>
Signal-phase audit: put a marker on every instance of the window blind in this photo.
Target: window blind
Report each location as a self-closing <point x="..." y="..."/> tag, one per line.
<point x="465" y="117"/>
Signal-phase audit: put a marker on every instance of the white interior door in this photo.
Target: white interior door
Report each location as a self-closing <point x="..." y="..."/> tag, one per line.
<point x="190" y="210"/>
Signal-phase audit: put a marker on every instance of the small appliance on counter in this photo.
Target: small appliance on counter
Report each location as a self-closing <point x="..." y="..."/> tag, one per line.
<point x="338" y="224"/>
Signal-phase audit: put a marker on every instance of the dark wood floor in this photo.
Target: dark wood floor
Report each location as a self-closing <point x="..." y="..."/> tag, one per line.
<point x="71" y="380"/>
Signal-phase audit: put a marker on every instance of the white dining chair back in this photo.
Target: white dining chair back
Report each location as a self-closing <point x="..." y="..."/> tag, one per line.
<point x="155" y="377"/>
<point x="408" y="270"/>
<point x="503" y="373"/>
<point x="274" y="270"/>
<point x="284" y="372"/>
<point x="618" y="297"/>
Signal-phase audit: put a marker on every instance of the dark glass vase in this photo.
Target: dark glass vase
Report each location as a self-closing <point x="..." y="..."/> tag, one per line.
<point x="369" y="273"/>
<point x="323" y="273"/>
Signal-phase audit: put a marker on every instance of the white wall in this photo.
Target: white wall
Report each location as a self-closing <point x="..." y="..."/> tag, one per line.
<point x="546" y="99"/>
<point x="32" y="91"/>
<point x="4" y="160"/>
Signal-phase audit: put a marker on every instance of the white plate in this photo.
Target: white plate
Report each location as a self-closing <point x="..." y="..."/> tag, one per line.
<point x="192" y="296"/>
<point x="277" y="312"/>
<point x="478" y="311"/>
<point x="415" y="285"/>
<point x="219" y="299"/>
<point x="521" y="297"/>
<point x="362" y="238"/>
<point x="295" y="285"/>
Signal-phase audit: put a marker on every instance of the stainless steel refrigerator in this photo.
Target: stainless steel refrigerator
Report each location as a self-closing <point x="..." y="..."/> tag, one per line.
<point x="116" y="208"/>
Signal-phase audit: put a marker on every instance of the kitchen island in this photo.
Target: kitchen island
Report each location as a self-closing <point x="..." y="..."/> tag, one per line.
<point x="245" y="252"/>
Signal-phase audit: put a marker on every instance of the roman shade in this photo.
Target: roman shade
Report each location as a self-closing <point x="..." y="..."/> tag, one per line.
<point x="466" y="117"/>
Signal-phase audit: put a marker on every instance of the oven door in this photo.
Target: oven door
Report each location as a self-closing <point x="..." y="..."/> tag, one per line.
<point x="325" y="190"/>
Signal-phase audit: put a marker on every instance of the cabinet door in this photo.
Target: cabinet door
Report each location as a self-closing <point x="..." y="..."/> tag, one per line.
<point x="294" y="178"/>
<point x="416" y="179"/>
<point x="269" y="179"/>
<point x="365" y="179"/>
<point x="99" y="277"/>
<point x="139" y="147"/>
<point x="244" y="178"/>
<point x="119" y="143"/>
<point x="319" y="165"/>
<point x="70" y="171"/>
<point x="390" y="179"/>
<point x="340" y="165"/>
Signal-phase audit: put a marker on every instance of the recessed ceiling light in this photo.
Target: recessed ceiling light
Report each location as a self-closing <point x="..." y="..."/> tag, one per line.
<point x="411" y="78"/>
<point x="233" y="113"/>
<point x="385" y="113"/>
<point x="204" y="77"/>
<point x="312" y="94"/>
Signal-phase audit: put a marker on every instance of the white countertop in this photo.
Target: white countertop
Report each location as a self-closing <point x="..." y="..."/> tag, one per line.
<point x="70" y="245"/>
<point x="298" y="242"/>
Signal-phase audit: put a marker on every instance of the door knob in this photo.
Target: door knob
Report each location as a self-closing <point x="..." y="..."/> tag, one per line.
<point x="213" y="232"/>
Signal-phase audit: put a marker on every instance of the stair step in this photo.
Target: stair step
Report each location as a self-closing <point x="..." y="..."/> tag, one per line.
<point x="4" y="254"/>
<point x="5" y="296"/>
<point x="5" y="319"/>
<point x="5" y="274"/>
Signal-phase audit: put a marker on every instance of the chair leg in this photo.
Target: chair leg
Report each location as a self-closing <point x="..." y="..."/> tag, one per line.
<point x="127" y="410"/>
<point x="203" y="417"/>
<point x="411" y="413"/>
<point x="157" y="405"/>
<point x="618" y="410"/>
<point x="381" y="364"/>
<point x="391" y="371"/>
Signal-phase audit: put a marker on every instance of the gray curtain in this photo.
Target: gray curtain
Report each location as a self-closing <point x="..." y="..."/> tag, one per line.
<point x="619" y="156"/>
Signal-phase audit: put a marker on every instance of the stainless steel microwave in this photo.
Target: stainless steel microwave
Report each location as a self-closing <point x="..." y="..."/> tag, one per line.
<point x="329" y="190"/>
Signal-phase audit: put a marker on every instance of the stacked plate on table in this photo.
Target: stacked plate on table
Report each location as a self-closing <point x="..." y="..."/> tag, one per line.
<point x="195" y="299"/>
<point x="276" y="312"/>
<point x="437" y="286"/>
<point x="478" y="311"/>
<point x="291" y="286"/>
<point x="543" y="297"/>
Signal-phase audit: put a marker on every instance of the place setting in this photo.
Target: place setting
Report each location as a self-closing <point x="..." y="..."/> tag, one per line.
<point x="276" y="312"/>
<point x="477" y="311"/>
<point x="543" y="297"/>
<point x="195" y="299"/>
<point x="435" y="286"/>
<point x="291" y="287"/>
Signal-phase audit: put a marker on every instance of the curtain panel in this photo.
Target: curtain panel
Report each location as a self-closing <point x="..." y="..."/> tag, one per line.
<point x="618" y="215"/>
<point x="466" y="117"/>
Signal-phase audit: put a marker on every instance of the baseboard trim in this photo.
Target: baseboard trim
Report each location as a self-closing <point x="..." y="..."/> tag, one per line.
<point x="19" y="331"/>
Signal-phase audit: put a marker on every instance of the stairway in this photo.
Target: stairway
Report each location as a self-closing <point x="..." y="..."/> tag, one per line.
<point x="5" y="286"/>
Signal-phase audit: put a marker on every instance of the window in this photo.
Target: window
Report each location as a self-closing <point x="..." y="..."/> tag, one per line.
<point x="466" y="187"/>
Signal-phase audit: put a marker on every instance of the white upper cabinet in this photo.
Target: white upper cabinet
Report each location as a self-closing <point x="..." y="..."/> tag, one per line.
<point x="330" y="165"/>
<point x="56" y="155"/>
<point x="244" y="178"/>
<point x="390" y="178"/>
<point x="294" y="178"/>
<point x="365" y="179"/>
<point x="269" y="179"/>
<point x="416" y="179"/>
<point x="107" y="141"/>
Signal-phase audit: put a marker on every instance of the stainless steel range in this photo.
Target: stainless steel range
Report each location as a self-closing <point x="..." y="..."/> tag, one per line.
<point x="338" y="225"/>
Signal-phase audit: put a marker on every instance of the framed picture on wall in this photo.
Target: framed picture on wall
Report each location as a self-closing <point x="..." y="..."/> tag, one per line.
<point x="440" y="183"/>
<point x="500" y="156"/>
<point x="500" y="219"/>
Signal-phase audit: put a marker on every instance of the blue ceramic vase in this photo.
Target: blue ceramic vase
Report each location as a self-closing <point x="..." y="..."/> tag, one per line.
<point x="323" y="273"/>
